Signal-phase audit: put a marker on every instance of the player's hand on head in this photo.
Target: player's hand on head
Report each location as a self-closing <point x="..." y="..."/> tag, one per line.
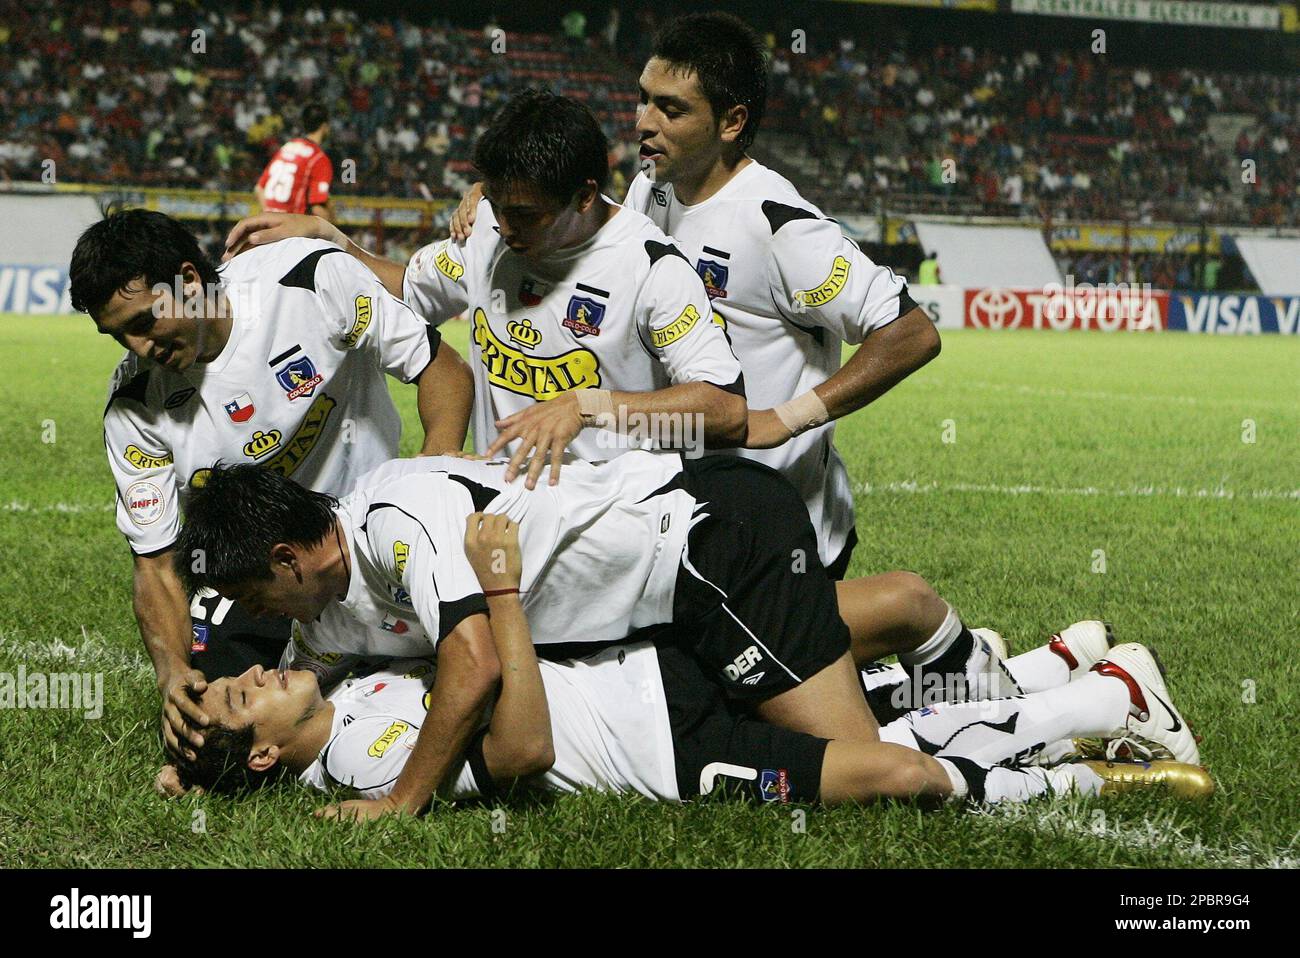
<point x="361" y="809"/>
<point x="492" y="547"/>
<point x="183" y="718"/>
<point x="462" y="220"/>
<point x="544" y="431"/>
<point x="766" y="430"/>
<point x="263" y="228"/>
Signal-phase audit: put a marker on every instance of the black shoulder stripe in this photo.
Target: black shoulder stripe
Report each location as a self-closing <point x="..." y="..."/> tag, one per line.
<point x="132" y="389"/>
<point x="906" y="303"/>
<point x="479" y="493"/>
<point x="304" y="274"/>
<point x="778" y="214"/>
<point x="736" y="389"/>
<point x="434" y="337"/>
<point x="657" y="251"/>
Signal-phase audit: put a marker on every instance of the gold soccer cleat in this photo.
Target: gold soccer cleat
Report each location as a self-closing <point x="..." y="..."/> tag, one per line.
<point x="1181" y="779"/>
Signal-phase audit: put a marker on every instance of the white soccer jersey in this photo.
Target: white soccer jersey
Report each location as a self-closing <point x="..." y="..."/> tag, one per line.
<point x="313" y="333"/>
<point x="600" y="551"/>
<point x="609" y="726"/>
<point x="791" y="288"/>
<point x="624" y="310"/>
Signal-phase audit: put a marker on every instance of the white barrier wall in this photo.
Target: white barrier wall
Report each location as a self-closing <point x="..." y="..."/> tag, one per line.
<point x="989" y="255"/>
<point x="1274" y="262"/>
<point x="36" y="245"/>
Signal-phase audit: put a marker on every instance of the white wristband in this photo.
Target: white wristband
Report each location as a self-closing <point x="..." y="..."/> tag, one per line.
<point x="802" y="413"/>
<point x="596" y="406"/>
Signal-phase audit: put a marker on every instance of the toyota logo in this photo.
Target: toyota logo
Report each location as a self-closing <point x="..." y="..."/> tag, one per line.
<point x="996" y="308"/>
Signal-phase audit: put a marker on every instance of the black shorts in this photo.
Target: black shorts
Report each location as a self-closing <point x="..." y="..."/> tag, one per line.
<point x="840" y="567"/>
<point x="228" y="641"/>
<point x="756" y="604"/>
<point x="718" y="749"/>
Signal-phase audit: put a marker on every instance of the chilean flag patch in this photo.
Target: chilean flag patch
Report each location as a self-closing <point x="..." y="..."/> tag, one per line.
<point x="240" y="409"/>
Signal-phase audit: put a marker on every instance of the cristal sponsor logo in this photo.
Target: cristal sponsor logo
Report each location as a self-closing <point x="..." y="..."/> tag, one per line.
<point x="743" y="663"/>
<point x="381" y="745"/>
<point x="679" y="327"/>
<point x="66" y="691"/>
<point x="448" y="266"/>
<point x="361" y="323"/>
<point x="400" y="553"/>
<point x="304" y="440"/>
<point x="262" y="444"/>
<point x="144" y="501"/>
<point x="829" y="288"/>
<point x="77" y="911"/>
<point x="541" y="377"/>
<point x="143" y="460"/>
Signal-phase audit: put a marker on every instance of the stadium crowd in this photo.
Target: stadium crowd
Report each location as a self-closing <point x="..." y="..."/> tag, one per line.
<point x="1063" y="133"/>
<point x="1035" y="134"/>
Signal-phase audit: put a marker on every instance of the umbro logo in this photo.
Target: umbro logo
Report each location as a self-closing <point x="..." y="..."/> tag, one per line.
<point x="753" y="679"/>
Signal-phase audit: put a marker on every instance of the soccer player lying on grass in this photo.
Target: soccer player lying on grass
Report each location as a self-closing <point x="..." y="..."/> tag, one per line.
<point x="641" y="718"/>
<point x="757" y="611"/>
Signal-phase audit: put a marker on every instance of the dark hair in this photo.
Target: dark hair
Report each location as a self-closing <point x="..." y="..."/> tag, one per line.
<point x="547" y="140"/>
<point x="129" y="244"/>
<point x="313" y="115"/>
<point x="234" y="516"/>
<point x="727" y="58"/>
<point x="221" y="762"/>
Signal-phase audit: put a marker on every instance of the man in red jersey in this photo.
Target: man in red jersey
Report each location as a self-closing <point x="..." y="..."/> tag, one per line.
<point x="297" y="180"/>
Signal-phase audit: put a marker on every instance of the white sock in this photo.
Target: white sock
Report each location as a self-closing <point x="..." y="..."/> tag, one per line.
<point x="992" y="785"/>
<point x="1013" y="729"/>
<point x="935" y="645"/>
<point x="1038" y="669"/>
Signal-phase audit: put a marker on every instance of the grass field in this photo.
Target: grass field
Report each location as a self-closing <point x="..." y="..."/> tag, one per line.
<point x="1064" y="445"/>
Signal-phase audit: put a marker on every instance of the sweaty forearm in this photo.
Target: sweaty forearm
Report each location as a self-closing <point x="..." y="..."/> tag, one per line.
<point x="460" y="693"/>
<point x="720" y="416"/>
<point x="162" y="613"/>
<point x="520" y="734"/>
<point x="886" y="357"/>
<point x="444" y="399"/>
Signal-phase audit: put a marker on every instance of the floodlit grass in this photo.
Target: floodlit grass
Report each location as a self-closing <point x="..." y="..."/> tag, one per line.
<point x="1072" y="453"/>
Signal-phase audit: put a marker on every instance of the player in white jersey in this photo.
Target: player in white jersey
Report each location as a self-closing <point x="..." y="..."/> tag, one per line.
<point x="640" y="718"/>
<point x="278" y="358"/>
<point x="639" y="541"/>
<point x="789" y="286"/>
<point x="583" y="313"/>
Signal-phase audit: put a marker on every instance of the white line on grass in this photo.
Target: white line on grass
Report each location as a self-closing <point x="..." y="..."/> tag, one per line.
<point x="1090" y="395"/>
<point x="1161" y="833"/>
<point x="88" y="652"/>
<point x="915" y="487"/>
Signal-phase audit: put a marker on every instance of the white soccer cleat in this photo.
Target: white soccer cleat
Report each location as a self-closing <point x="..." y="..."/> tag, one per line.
<point x="1083" y="645"/>
<point x="995" y="642"/>
<point x="1153" y="719"/>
